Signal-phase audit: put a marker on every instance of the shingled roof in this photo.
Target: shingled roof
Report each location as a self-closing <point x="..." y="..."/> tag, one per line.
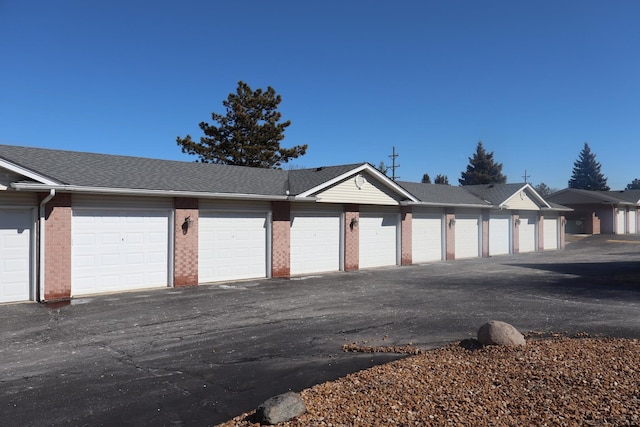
<point x="443" y="195"/>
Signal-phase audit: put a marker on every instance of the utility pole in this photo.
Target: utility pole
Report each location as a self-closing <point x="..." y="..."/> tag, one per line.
<point x="393" y="164"/>
<point x="525" y="176"/>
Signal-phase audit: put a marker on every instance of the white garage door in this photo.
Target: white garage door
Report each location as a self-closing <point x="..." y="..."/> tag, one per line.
<point x="232" y="246"/>
<point x="426" y="239"/>
<point x="550" y="233"/>
<point x="620" y="222"/>
<point x="467" y="236"/>
<point x="119" y="250"/>
<point x="315" y="243"/>
<point x="499" y="234"/>
<point x="527" y="232"/>
<point x="378" y="240"/>
<point x="15" y="259"/>
<point x="633" y="222"/>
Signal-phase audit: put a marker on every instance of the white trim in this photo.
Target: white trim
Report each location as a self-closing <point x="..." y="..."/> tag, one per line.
<point x="382" y="178"/>
<point x="523" y="188"/>
<point x="26" y="173"/>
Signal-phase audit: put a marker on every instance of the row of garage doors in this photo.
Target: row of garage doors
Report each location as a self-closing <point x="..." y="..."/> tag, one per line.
<point x="130" y="249"/>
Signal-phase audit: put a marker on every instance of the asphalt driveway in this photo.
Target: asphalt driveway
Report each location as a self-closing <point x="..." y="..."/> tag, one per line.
<point x="200" y="356"/>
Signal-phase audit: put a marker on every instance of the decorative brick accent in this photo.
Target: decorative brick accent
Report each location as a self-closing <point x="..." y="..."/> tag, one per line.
<point x="185" y="271"/>
<point x="281" y="239"/>
<point x="485" y="233"/>
<point x="351" y="237"/>
<point x="57" y="248"/>
<point x="563" y="224"/>
<point x="450" y="232"/>
<point x="516" y="232"/>
<point x="406" y="232"/>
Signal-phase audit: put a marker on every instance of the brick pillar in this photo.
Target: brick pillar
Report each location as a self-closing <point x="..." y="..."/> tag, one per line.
<point x="563" y="224"/>
<point x="515" y="226"/>
<point x="185" y="271"/>
<point x="485" y="233"/>
<point x="540" y="232"/>
<point x="406" y="236"/>
<point x="57" y="248"/>
<point x="450" y="231"/>
<point x="351" y="238"/>
<point x="281" y="239"/>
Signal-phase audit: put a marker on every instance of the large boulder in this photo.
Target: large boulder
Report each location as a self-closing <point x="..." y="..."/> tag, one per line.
<point x="496" y="332"/>
<point x="280" y="408"/>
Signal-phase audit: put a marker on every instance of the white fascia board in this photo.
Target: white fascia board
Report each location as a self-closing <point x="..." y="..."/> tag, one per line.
<point x="23" y="186"/>
<point x="382" y="178"/>
<point x="26" y="173"/>
<point x="449" y="205"/>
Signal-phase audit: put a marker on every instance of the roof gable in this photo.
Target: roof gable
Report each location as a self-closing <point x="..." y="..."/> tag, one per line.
<point x="510" y="196"/>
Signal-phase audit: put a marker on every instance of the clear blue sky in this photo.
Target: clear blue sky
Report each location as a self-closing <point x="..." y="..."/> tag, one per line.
<point x="533" y="80"/>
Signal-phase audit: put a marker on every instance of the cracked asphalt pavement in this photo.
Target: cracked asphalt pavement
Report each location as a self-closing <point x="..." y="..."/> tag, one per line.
<point x="200" y="356"/>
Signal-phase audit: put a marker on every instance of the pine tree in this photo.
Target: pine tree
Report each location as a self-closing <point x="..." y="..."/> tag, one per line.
<point x="426" y="179"/>
<point x="248" y="135"/>
<point x="586" y="172"/>
<point x="441" y="179"/>
<point x="482" y="169"/>
<point x="633" y="185"/>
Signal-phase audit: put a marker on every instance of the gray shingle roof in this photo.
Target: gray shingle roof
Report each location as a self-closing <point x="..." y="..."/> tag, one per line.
<point x="442" y="194"/>
<point x="574" y="196"/>
<point x="494" y="193"/>
<point x="632" y="196"/>
<point x="301" y="180"/>
<point x="111" y="171"/>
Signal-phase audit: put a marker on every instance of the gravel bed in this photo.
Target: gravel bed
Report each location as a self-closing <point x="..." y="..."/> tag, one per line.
<point x="558" y="382"/>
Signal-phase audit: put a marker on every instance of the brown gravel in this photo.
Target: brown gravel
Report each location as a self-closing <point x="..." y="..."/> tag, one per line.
<point x="555" y="382"/>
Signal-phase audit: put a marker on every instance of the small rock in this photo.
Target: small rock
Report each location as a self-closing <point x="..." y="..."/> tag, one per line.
<point x="281" y="408"/>
<point x="496" y="332"/>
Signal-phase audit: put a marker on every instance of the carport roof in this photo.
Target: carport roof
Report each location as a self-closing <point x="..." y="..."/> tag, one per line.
<point x="575" y="196"/>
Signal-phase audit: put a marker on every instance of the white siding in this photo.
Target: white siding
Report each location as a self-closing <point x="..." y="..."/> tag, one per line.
<point x="368" y="191"/>
<point x="467" y="235"/>
<point x="427" y="237"/>
<point x="15" y="254"/>
<point x="522" y="200"/>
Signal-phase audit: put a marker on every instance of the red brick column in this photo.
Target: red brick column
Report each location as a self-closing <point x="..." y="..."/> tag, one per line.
<point x="515" y="226"/>
<point x="185" y="271"/>
<point x="450" y="231"/>
<point x="57" y="248"/>
<point x="563" y="223"/>
<point x="351" y="238"/>
<point x="406" y="229"/>
<point x="485" y="233"/>
<point x="281" y="239"/>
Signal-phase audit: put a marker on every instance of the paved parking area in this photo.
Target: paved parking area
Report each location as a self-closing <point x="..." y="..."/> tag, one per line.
<point x="200" y="356"/>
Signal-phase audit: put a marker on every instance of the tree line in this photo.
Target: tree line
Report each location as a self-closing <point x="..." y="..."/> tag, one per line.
<point x="250" y="132"/>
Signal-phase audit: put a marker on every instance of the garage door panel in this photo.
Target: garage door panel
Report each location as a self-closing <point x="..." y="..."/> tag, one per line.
<point x="633" y="222"/>
<point x="427" y="237"/>
<point x="15" y="254"/>
<point x="232" y="246"/>
<point x="315" y="242"/>
<point x="527" y="231"/>
<point x="550" y="233"/>
<point x="499" y="234"/>
<point x="378" y="240"/>
<point x="467" y="235"/>
<point x="119" y="250"/>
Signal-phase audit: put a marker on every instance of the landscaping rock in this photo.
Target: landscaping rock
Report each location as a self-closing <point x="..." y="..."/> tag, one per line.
<point x="280" y="408"/>
<point x="496" y="332"/>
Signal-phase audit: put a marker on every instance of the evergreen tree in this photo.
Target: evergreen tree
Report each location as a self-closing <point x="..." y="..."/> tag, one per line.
<point x="544" y="190"/>
<point x="383" y="168"/>
<point x="441" y="179"/>
<point x="482" y="169"/>
<point x="426" y="179"/>
<point x="586" y="172"/>
<point x="633" y="185"/>
<point x="248" y="135"/>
